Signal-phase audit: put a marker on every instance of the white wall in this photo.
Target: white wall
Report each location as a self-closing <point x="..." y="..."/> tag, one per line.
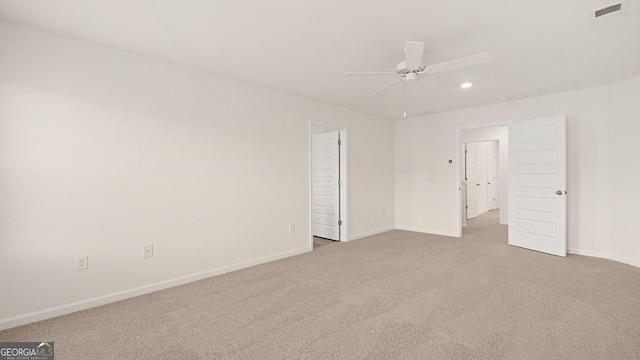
<point x="102" y="151"/>
<point x="426" y="188"/>
<point x="501" y="134"/>
<point x="624" y="170"/>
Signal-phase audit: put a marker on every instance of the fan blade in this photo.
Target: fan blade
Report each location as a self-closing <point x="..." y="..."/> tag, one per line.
<point x="458" y="63"/>
<point x="368" y="73"/>
<point x="413" y="51"/>
<point x="386" y="86"/>
<point x="429" y="82"/>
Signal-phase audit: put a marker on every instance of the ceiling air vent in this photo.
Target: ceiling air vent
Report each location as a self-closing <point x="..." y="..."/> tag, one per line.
<point x="609" y="12"/>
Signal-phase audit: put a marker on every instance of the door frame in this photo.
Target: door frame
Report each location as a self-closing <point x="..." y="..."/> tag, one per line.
<point x="458" y="182"/>
<point x="344" y="179"/>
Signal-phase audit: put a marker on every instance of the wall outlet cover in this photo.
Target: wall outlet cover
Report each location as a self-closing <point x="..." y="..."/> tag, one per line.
<point x="82" y="262"/>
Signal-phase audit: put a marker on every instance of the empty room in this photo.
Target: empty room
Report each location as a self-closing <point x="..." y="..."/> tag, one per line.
<point x="319" y="179"/>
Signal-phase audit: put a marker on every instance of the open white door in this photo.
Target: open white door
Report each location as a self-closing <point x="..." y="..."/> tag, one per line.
<point x="325" y="185"/>
<point x="537" y="185"/>
<point x="471" y="174"/>
<point x="492" y="182"/>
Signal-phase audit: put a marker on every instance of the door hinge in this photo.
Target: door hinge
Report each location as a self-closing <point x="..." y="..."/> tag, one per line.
<point x="465" y="151"/>
<point x="339" y="182"/>
<point x="339" y="142"/>
<point x="466" y="207"/>
<point x="339" y="222"/>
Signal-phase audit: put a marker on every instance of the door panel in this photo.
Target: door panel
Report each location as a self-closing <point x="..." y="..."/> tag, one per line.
<point x="492" y="185"/>
<point x="537" y="171"/>
<point x="325" y="189"/>
<point x="471" y="161"/>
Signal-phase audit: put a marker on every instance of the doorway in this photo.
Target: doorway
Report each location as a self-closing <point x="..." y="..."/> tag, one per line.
<point x="328" y="196"/>
<point x="535" y="201"/>
<point x="481" y="177"/>
<point x="483" y="173"/>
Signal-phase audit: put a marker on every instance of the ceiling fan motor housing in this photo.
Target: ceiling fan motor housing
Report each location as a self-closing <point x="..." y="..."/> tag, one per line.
<point x="402" y="69"/>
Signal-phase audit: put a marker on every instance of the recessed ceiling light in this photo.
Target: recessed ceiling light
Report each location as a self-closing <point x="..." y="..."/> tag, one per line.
<point x="466" y="85"/>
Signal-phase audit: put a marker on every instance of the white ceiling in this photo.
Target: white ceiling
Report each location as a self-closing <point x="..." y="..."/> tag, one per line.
<point x="303" y="47"/>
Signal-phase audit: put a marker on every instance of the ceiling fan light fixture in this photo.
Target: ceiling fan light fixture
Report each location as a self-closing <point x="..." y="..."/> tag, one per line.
<point x="466" y="85"/>
<point x="413" y="68"/>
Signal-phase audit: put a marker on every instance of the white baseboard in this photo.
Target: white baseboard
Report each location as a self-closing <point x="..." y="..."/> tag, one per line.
<point x="589" y="253"/>
<point x="625" y="260"/>
<point x="371" y="233"/>
<point x="426" y="231"/>
<point x="11" y="322"/>
<point x="504" y="222"/>
<point x="608" y="256"/>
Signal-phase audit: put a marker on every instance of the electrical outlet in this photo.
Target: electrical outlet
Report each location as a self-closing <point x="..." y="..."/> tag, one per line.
<point x="82" y="262"/>
<point x="292" y="227"/>
<point x="148" y="251"/>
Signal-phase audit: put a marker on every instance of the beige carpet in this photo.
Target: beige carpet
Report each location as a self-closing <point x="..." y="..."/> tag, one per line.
<point x="398" y="295"/>
<point x="318" y="241"/>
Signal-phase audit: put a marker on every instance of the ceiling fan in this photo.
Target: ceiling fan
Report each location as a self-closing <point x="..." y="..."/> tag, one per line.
<point x="414" y="69"/>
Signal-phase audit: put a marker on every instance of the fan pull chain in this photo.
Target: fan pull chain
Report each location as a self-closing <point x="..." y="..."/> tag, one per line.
<point x="405" y="98"/>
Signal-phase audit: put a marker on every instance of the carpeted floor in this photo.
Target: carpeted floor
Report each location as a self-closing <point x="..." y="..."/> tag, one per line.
<point x="318" y="241"/>
<point x="397" y="295"/>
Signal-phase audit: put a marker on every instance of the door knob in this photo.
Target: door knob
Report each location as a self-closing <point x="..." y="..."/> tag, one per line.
<point x="559" y="192"/>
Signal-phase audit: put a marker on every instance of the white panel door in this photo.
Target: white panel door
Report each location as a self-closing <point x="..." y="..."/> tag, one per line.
<point x="492" y="184"/>
<point x="471" y="175"/>
<point x="325" y="187"/>
<point x="537" y="185"/>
